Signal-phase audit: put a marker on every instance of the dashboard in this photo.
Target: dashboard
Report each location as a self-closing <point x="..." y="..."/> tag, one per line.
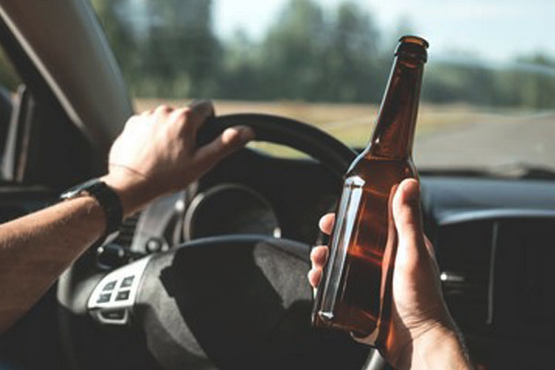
<point x="494" y="246"/>
<point x="493" y="239"/>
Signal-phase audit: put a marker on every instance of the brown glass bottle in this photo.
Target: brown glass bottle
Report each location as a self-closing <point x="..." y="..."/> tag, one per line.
<point x="355" y="290"/>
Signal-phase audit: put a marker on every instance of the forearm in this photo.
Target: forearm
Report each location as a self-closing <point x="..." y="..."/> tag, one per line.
<point x="36" y="249"/>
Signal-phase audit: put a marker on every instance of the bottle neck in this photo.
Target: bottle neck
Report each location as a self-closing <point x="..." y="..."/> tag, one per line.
<point x="394" y="132"/>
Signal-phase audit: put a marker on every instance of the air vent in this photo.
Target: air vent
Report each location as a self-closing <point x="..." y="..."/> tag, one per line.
<point x="127" y="231"/>
<point x="464" y="255"/>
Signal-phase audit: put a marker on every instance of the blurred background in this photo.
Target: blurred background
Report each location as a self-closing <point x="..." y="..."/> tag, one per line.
<point x="327" y="62"/>
<point x="332" y="51"/>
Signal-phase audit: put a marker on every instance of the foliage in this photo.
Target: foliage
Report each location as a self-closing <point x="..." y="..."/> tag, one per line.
<point x="8" y="77"/>
<point x="527" y="83"/>
<point x="168" y="49"/>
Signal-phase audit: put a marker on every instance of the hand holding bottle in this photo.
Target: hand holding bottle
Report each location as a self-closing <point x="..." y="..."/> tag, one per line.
<point x="422" y="333"/>
<point x="355" y="293"/>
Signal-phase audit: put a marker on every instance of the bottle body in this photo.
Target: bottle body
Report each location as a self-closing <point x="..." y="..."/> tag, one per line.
<point x="355" y="291"/>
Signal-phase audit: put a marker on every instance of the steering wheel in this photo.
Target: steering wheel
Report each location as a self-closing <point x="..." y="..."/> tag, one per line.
<point x="225" y="302"/>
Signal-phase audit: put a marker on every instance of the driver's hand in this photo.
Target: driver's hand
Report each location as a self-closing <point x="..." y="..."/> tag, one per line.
<point x="421" y="321"/>
<point x="157" y="153"/>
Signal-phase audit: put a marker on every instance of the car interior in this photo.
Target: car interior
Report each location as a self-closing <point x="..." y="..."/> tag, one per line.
<point x="214" y="276"/>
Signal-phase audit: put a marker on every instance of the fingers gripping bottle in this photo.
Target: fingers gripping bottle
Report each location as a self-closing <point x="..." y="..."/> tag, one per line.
<point x="355" y="291"/>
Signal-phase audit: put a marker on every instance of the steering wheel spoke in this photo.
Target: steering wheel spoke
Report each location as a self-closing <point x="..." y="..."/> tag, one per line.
<point x="111" y="302"/>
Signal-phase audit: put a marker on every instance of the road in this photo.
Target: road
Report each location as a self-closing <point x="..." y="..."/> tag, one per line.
<point x="527" y="140"/>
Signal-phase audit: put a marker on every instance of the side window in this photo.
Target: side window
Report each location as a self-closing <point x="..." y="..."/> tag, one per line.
<point x="9" y="82"/>
<point x="8" y="77"/>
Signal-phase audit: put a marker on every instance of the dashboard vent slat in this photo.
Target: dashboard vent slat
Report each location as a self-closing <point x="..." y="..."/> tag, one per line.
<point x="127" y="231"/>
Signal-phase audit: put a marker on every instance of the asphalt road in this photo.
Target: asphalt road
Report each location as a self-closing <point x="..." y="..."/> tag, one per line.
<point x="522" y="141"/>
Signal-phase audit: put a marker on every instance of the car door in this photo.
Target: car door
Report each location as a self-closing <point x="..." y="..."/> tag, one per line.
<point x="41" y="153"/>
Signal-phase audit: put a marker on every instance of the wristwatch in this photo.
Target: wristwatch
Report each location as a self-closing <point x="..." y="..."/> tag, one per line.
<point x="106" y="197"/>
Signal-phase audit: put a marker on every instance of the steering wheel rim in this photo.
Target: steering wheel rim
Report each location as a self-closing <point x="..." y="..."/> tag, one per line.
<point x="295" y="134"/>
<point x="80" y="281"/>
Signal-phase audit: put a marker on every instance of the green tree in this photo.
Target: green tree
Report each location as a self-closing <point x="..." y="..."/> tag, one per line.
<point x="293" y="51"/>
<point x="166" y="48"/>
<point x="309" y="54"/>
<point x="181" y="49"/>
<point x="241" y="72"/>
<point x="352" y="60"/>
<point x="528" y="83"/>
<point x="535" y="84"/>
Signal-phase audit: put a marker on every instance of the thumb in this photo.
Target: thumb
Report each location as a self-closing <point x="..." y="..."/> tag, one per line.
<point x="230" y="140"/>
<point x="406" y="213"/>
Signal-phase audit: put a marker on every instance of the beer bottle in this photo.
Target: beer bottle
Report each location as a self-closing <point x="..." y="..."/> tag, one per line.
<point x="355" y="291"/>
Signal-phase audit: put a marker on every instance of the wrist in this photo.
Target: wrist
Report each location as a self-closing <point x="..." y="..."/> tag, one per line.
<point x="133" y="191"/>
<point x="438" y="347"/>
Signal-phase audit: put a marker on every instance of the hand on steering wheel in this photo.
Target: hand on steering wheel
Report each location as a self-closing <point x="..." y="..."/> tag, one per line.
<point x="157" y="154"/>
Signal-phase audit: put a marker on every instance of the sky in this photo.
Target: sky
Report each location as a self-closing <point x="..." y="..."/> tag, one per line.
<point x="494" y="30"/>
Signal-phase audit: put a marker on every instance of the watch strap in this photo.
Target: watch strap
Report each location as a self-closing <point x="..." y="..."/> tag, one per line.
<point x="110" y="203"/>
<point x="105" y="196"/>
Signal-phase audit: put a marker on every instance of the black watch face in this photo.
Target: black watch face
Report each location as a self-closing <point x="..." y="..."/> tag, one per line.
<point x="74" y="191"/>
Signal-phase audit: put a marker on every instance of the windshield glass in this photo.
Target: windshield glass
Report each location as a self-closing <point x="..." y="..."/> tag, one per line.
<point x="489" y="87"/>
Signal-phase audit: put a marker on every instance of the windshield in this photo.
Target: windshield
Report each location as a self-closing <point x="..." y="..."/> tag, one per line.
<point x="488" y="91"/>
